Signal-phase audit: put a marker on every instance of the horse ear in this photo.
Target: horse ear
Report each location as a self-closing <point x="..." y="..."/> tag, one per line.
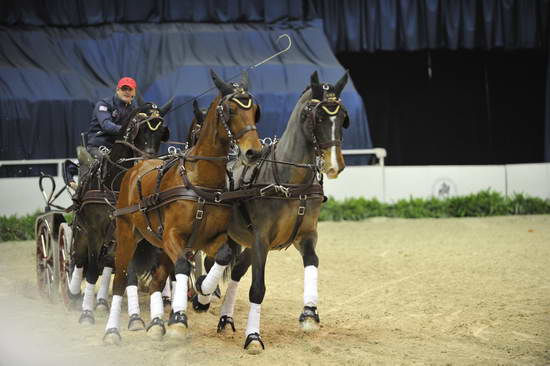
<point x="197" y="112"/>
<point x="314" y="79"/>
<point x="222" y="86"/>
<point x="316" y="92"/>
<point x="341" y="83"/>
<point x="244" y="80"/>
<point x="165" y="108"/>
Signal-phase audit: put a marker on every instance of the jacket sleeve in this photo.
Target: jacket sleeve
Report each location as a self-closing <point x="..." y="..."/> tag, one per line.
<point x="103" y="116"/>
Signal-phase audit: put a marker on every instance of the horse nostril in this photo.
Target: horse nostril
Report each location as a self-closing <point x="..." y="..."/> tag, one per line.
<point x="252" y="155"/>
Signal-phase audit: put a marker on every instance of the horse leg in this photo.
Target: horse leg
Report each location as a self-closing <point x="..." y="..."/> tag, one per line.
<point x="88" y="302"/>
<point x="256" y="296"/>
<point x="201" y="303"/>
<point x="126" y="246"/>
<point x="309" y="319"/>
<point x="101" y="301"/>
<point x="161" y="276"/>
<point x="207" y="284"/>
<point x="135" y="321"/>
<point x="228" y="306"/>
<point x="80" y="258"/>
<point x="167" y="292"/>
<point x="178" y="316"/>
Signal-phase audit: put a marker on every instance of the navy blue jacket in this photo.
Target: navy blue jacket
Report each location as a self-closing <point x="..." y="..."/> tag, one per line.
<point x="107" y="117"/>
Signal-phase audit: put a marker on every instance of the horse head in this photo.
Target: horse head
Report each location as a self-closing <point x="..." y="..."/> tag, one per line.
<point x="323" y="118"/>
<point x="145" y="129"/>
<point x="238" y="115"/>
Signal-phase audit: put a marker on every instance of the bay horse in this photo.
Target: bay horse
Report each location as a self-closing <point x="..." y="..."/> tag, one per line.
<point x="141" y="134"/>
<point x="289" y="179"/>
<point x="178" y="205"/>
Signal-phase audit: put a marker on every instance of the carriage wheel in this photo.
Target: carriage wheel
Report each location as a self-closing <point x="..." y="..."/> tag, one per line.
<point x="45" y="263"/>
<point x="65" y="265"/>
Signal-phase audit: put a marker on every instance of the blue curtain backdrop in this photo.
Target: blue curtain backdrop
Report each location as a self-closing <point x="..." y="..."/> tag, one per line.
<point x="58" y="56"/>
<point x="50" y="77"/>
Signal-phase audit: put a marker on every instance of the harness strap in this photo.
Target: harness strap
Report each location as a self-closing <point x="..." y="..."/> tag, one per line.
<point x="297" y="224"/>
<point x="165" y="197"/>
<point x="98" y="196"/>
<point x="197" y="221"/>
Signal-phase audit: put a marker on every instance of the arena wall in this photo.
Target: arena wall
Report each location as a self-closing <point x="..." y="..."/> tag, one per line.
<point x="386" y="183"/>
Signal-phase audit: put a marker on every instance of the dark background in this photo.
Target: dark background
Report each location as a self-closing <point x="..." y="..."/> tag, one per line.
<point x="478" y="107"/>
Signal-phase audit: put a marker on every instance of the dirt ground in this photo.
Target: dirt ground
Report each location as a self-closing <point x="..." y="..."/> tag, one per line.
<point x="472" y="291"/>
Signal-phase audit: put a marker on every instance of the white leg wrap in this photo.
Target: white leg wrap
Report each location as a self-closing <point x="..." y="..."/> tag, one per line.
<point x="310" y="286"/>
<point x="89" y="299"/>
<point x="133" y="300"/>
<point x="104" y="283"/>
<point x="179" y="302"/>
<point x="204" y="299"/>
<point x="157" y="308"/>
<point x="76" y="280"/>
<point x="230" y="298"/>
<point x="173" y="291"/>
<point x="212" y="279"/>
<point x="114" y="314"/>
<point x="166" y="290"/>
<point x="253" y="325"/>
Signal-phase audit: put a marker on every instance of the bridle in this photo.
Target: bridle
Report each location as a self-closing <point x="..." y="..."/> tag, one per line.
<point x="331" y="106"/>
<point x="224" y="113"/>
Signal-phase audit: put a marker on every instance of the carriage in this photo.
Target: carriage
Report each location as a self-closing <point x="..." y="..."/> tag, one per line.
<point x="54" y="238"/>
<point x="53" y="234"/>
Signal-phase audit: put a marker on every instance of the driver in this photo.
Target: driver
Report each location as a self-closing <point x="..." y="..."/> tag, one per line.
<point x="108" y="114"/>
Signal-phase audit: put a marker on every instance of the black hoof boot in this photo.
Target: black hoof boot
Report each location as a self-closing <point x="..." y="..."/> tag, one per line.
<point x="198" y="307"/>
<point x="102" y="305"/>
<point x="309" y="319"/>
<point x="112" y="336"/>
<point x="178" y="318"/>
<point x="156" y="329"/>
<point x="86" y="318"/>
<point x="224" y="320"/>
<point x="253" y="343"/>
<point x="136" y="323"/>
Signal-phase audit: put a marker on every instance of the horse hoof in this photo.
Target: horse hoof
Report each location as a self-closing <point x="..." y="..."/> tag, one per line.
<point x="136" y="323"/>
<point x="224" y="320"/>
<point x="112" y="337"/>
<point x="309" y="319"/>
<point x="253" y="344"/>
<point x="86" y="318"/>
<point x="156" y="329"/>
<point x="102" y="306"/>
<point x="198" y="307"/>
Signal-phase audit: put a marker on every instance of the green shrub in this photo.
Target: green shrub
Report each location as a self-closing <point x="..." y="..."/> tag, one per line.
<point x="17" y="228"/>
<point x="484" y="203"/>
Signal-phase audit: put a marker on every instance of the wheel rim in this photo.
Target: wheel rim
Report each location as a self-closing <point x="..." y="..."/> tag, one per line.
<point x="44" y="263"/>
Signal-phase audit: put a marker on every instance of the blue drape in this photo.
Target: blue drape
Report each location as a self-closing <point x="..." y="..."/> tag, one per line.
<point x="388" y="25"/>
<point x="50" y="77"/>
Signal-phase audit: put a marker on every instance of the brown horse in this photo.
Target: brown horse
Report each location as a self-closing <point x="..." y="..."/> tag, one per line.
<point x="178" y="209"/>
<point x="289" y="179"/>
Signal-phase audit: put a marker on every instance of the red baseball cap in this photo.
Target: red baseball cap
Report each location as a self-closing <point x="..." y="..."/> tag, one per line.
<point x="128" y="82"/>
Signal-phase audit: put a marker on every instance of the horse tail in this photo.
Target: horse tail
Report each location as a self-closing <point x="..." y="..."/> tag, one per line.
<point x="146" y="259"/>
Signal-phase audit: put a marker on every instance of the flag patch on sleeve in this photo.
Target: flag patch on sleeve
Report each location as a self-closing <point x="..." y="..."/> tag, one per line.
<point x="103" y="108"/>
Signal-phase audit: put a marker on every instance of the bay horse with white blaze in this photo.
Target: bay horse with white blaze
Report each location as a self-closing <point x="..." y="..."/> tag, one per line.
<point x="178" y="205"/>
